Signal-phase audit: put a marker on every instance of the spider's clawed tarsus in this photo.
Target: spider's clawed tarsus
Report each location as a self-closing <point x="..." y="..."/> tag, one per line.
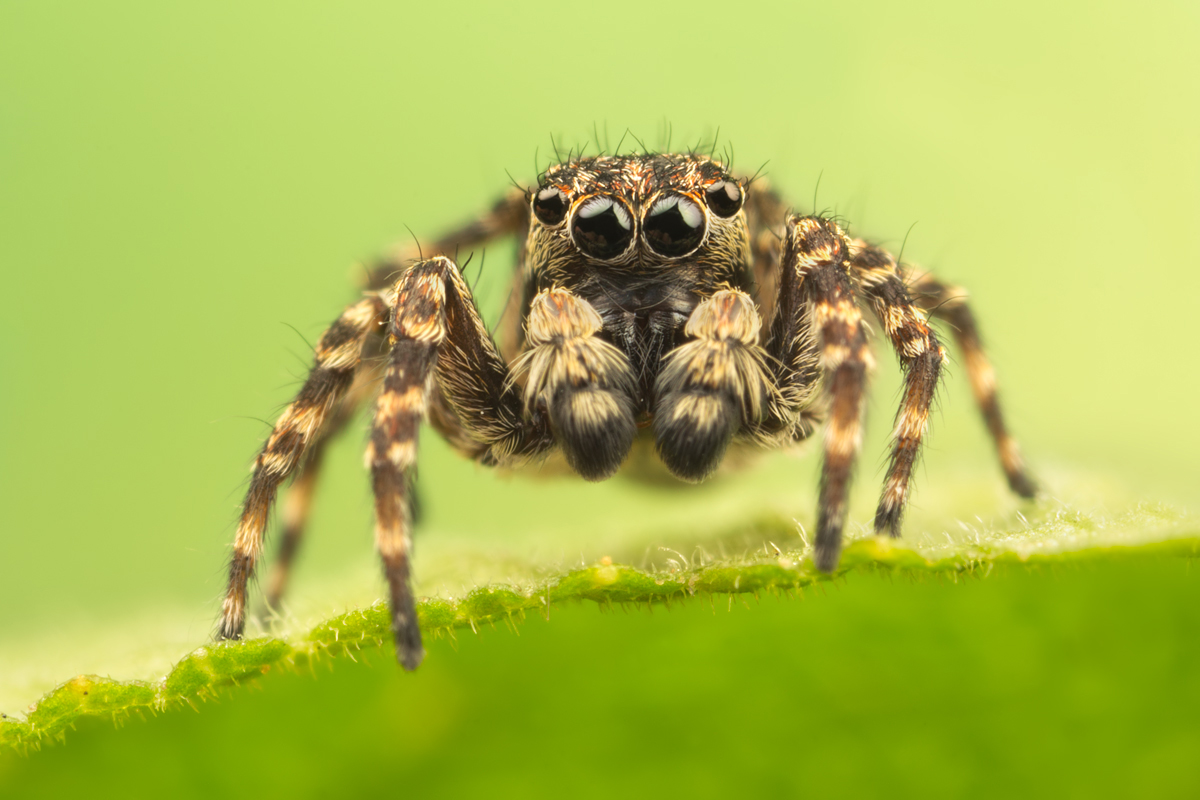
<point x="658" y="299"/>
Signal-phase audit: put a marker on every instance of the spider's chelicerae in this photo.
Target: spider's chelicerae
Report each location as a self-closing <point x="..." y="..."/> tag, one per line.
<point x="657" y="296"/>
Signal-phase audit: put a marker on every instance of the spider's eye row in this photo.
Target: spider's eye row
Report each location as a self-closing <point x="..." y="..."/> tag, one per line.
<point x="550" y="206"/>
<point x="724" y="198"/>
<point x="602" y="228"/>
<point x="674" y="226"/>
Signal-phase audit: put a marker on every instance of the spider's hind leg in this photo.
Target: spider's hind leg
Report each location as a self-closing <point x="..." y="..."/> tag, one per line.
<point x="921" y="357"/>
<point x="508" y="216"/>
<point x="950" y="304"/>
<point x="335" y="363"/>
<point x="297" y="501"/>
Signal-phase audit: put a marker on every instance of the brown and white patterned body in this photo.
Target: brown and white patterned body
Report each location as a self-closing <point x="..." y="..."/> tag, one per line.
<point x="656" y="293"/>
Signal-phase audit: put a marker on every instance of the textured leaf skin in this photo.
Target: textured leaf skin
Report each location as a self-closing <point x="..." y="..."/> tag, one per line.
<point x="1065" y="536"/>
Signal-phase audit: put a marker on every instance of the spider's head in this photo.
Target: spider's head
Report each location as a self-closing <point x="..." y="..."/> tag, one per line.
<point x="638" y="210"/>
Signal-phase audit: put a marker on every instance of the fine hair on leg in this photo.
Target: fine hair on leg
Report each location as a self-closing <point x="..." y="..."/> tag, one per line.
<point x="508" y="216"/>
<point x="335" y="362"/>
<point x="949" y="303"/>
<point x="816" y="311"/>
<point x="297" y="501"/>
<point x="921" y="357"/>
<point x="441" y="357"/>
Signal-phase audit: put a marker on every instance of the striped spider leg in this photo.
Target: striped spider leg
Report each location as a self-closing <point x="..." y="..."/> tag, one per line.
<point x="949" y="303"/>
<point x="437" y="344"/>
<point x="904" y="302"/>
<point x="576" y="395"/>
<point x="921" y="357"/>
<point x="297" y="501"/>
<point x="336" y="362"/>
<point x="508" y="217"/>
<point x="818" y="331"/>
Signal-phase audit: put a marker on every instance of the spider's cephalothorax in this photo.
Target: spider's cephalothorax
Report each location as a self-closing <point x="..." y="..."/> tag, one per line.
<point x="657" y="293"/>
<point x="640" y="241"/>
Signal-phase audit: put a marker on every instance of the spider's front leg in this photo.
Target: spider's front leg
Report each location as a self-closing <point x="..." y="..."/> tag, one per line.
<point x="818" y="329"/>
<point x="416" y="332"/>
<point x="436" y="330"/>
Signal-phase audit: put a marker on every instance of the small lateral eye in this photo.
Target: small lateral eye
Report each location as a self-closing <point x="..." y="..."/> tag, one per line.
<point x="550" y="206"/>
<point x="724" y="198"/>
<point x="675" y="226"/>
<point x="602" y="228"/>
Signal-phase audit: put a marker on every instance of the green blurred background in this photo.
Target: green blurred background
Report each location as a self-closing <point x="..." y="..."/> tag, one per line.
<point x="180" y="184"/>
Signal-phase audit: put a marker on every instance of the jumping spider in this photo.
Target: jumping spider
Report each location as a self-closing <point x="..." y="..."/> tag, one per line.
<point x="641" y="292"/>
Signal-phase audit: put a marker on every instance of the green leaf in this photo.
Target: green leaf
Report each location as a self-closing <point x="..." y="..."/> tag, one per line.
<point x="1052" y="533"/>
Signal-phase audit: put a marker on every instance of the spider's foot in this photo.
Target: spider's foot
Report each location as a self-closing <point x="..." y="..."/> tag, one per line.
<point x="887" y="517"/>
<point x="828" y="548"/>
<point x="233" y="609"/>
<point x="229" y="630"/>
<point x="1022" y="484"/>
<point x="409" y="651"/>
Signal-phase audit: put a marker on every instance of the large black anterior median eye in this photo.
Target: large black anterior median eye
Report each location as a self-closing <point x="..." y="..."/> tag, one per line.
<point x="602" y="228"/>
<point x="549" y="206"/>
<point x="675" y="226"/>
<point x="724" y="198"/>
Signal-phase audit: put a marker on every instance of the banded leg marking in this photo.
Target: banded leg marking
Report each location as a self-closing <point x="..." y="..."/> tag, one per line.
<point x="437" y="339"/>
<point x="418" y="328"/>
<point x="816" y="291"/>
<point x="921" y="357"/>
<point x="336" y="360"/>
<point x="950" y="303"/>
<point x="391" y="455"/>
<point x="297" y="502"/>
